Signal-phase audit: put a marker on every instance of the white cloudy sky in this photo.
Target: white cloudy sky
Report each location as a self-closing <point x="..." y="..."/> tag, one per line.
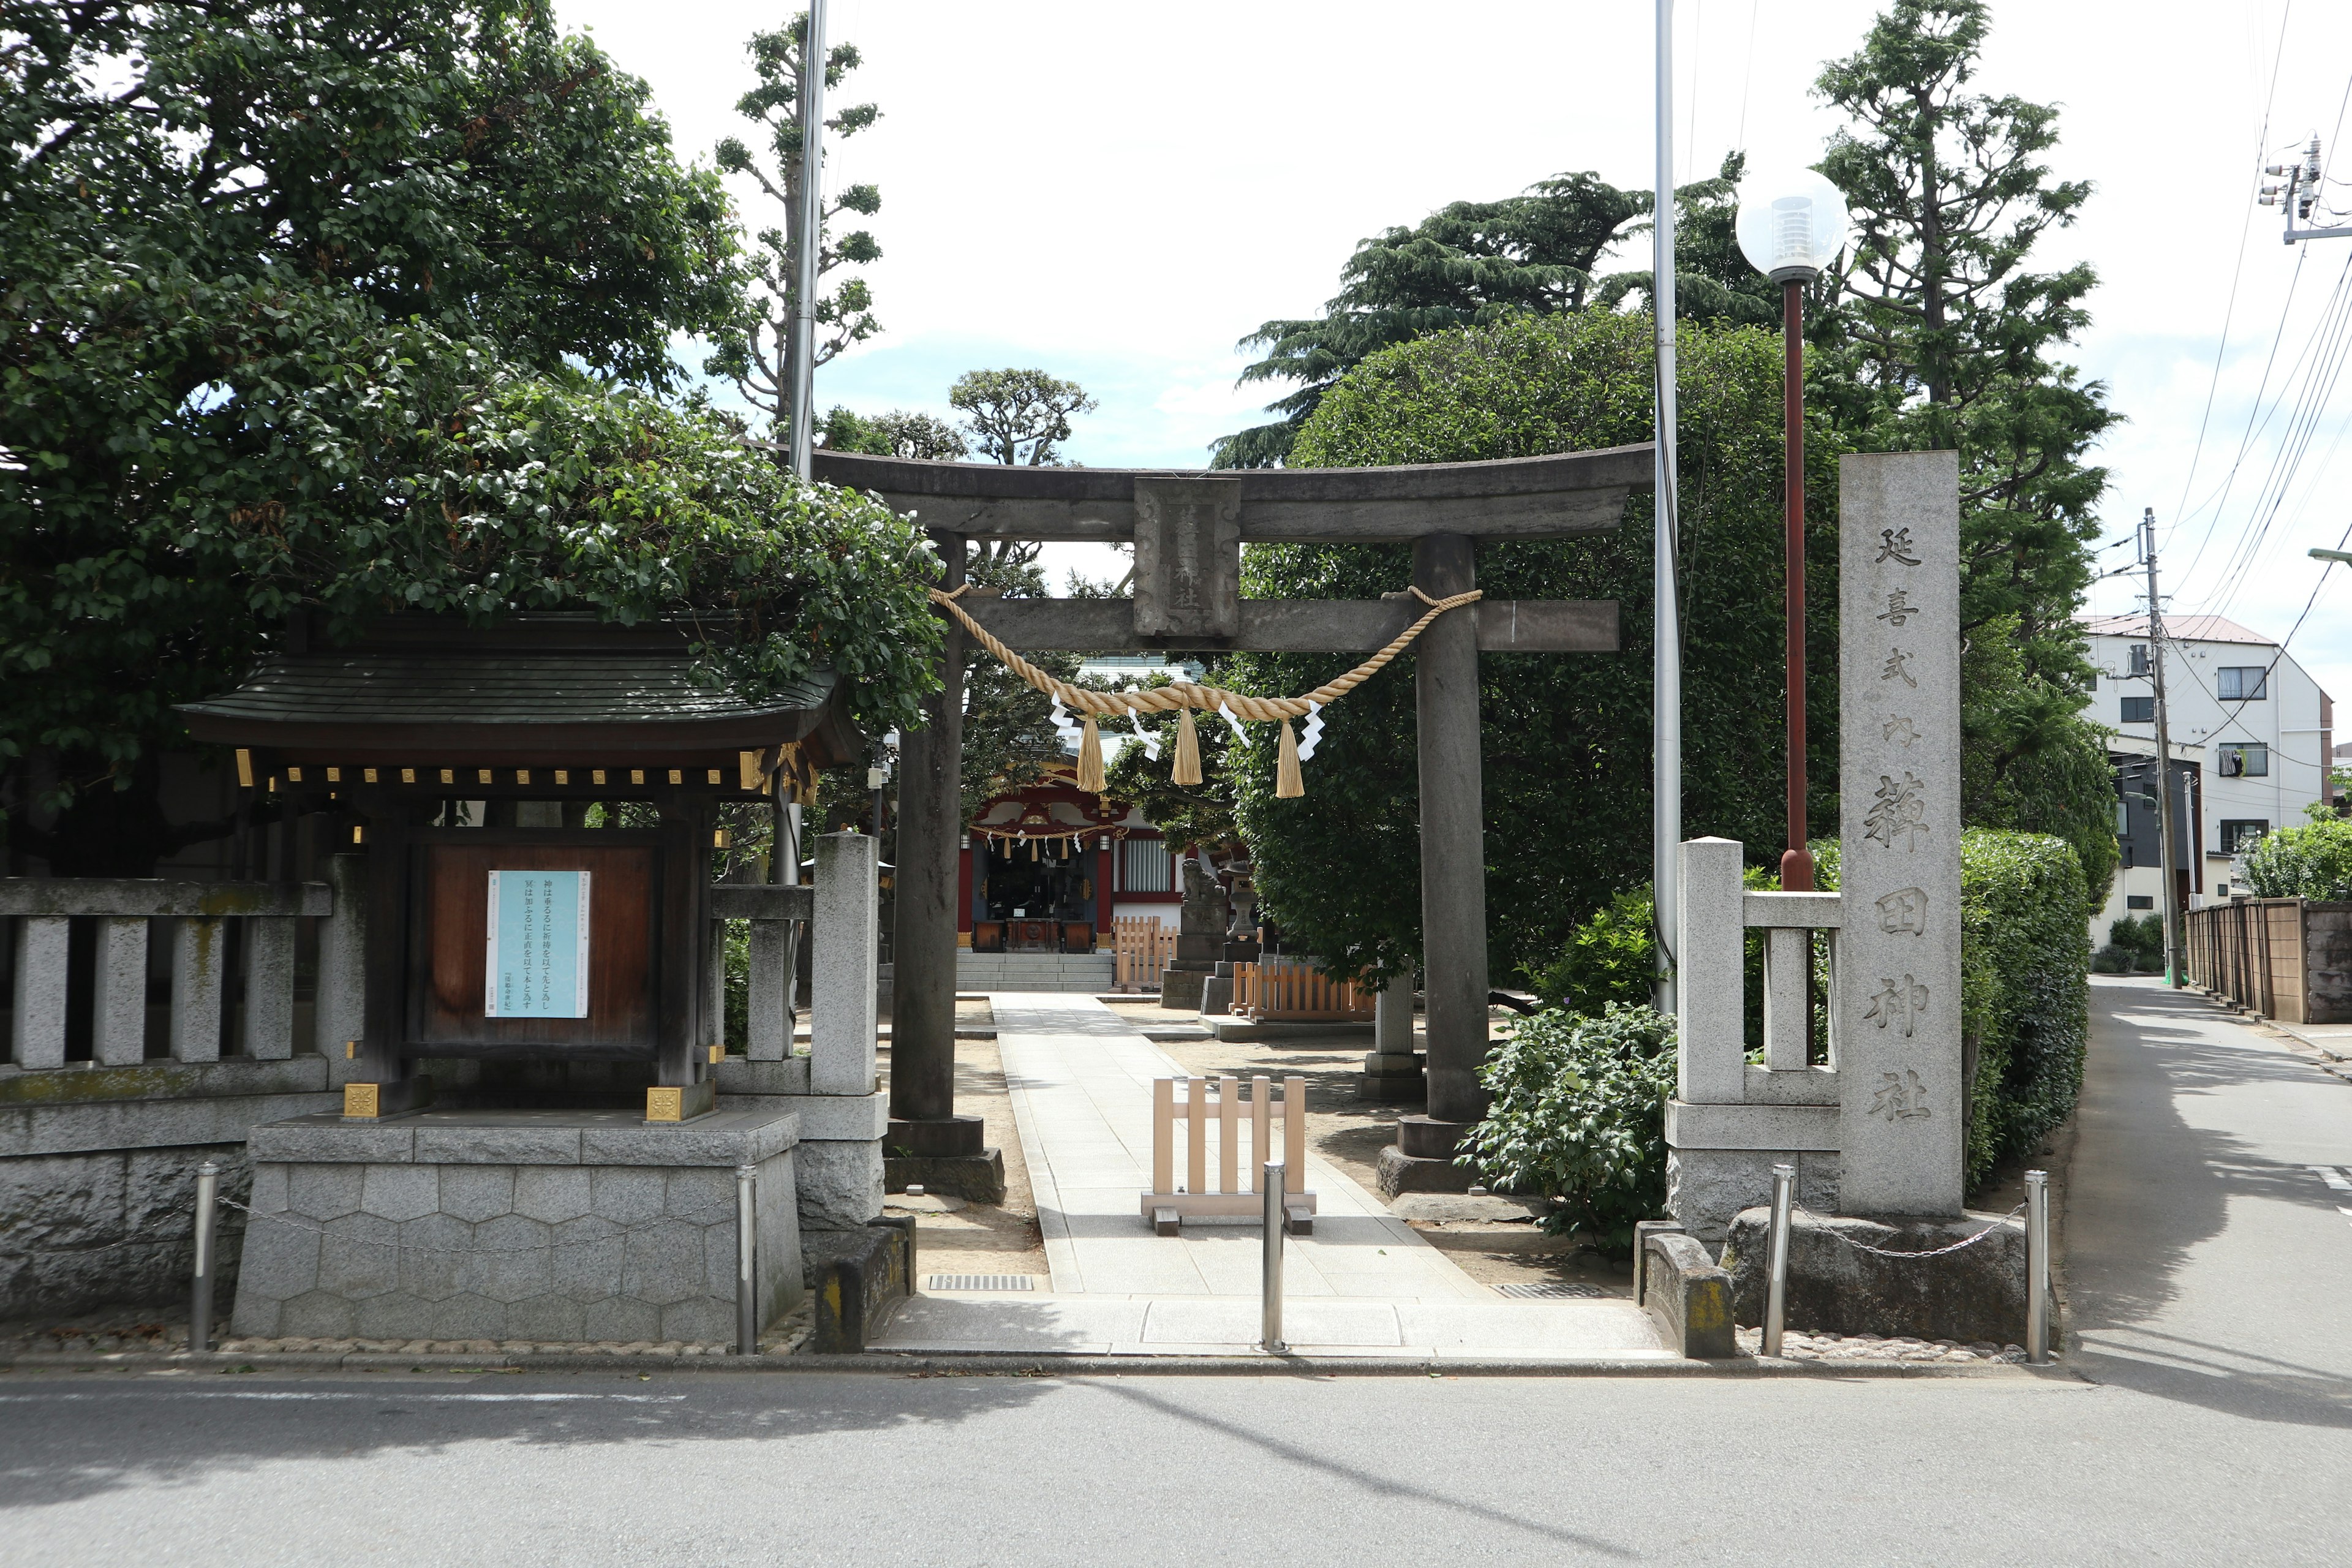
<point x="1116" y="191"/>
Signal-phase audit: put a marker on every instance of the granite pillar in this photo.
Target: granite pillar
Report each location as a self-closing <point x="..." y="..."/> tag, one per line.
<point x="1896" y="1038"/>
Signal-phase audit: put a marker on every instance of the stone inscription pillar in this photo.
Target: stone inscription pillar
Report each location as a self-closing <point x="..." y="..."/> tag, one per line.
<point x="1897" y="1039"/>
<point x="930" y="820"/>
<point x="1452" y="852"/>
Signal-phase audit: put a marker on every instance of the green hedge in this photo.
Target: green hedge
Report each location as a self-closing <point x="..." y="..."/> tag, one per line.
<point x="2025" y="999"/>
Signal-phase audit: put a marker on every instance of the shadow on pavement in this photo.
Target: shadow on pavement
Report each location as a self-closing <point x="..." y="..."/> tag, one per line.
<point x="66" y="1439"/>
<point x="2148" y="1190"/>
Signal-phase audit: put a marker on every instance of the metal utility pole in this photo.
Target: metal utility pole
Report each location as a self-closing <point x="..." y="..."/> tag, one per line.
<point x="2167" y="853"/>
<point x="1665" y="619"/>
<point x="808" y="239"/>
<point x="2299" y="196"/>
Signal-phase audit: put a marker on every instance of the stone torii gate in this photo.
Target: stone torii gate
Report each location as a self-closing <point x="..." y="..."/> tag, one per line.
<point x="1188" y="529"/>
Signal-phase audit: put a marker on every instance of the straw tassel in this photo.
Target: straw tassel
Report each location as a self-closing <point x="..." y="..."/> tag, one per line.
<point x="1187" y="751"/>
<point x="1287" y="785"/>
<point x="1090" y="768"/>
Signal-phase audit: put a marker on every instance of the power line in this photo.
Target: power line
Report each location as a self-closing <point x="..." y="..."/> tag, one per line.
<point x="2229" y="313"/>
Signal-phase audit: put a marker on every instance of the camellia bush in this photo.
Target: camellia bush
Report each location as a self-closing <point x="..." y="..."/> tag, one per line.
<point x="1578" y="1116"/>
<point x="2312" y="861"/>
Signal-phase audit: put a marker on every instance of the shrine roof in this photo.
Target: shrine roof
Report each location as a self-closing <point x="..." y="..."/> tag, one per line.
<point x="536" y="685"/>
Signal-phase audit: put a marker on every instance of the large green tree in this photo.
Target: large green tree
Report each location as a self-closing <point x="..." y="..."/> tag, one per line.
<point x="1565" y="736"/>
<point x="1478" y="263"/>
<point x="1944" y="337"/>
<point x="334" y="305"/>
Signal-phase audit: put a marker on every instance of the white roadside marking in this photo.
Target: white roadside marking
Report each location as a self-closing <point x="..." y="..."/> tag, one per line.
<point x="2333" y="1177"/>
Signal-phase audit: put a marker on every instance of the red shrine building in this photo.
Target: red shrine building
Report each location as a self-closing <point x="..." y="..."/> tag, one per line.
<point x="1049" y="867"/>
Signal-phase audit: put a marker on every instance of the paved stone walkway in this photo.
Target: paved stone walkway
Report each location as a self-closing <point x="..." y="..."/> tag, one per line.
<point x="1365" y="1282"/>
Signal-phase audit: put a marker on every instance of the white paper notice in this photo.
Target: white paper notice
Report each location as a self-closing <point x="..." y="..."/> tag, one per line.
<point x="538" y="965"/>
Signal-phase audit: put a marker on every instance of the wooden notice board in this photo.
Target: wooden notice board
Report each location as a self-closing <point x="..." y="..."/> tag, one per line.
<point x="448" y="1011"/>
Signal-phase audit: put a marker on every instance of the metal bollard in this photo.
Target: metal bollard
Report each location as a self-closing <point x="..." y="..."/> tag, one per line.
<point x="1776" y="1298"/>
<point x="2037" y="1267"/>
<point x="200" y="1292"/>
<point x="747" y="1257"/>
<point x="1270" y="1332"/>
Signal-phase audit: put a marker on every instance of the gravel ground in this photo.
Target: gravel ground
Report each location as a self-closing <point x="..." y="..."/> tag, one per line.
<point x="1815" y="1346"/>
<point x="982" y="1238"/>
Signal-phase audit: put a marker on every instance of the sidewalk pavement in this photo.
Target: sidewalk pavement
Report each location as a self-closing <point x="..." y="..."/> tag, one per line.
<point x="1365" y="1283"/>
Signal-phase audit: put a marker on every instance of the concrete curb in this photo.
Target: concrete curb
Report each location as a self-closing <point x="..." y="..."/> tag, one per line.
<point x="1019" y="1364"/>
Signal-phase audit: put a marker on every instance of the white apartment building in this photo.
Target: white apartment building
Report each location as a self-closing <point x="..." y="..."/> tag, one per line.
<point x="2252" y="734"/>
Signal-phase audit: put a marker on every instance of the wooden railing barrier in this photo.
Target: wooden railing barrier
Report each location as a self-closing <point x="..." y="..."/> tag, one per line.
<point x="1285" y="990"/>
<point x="1145" y="948"/>
<point x="1233" y="1197"/>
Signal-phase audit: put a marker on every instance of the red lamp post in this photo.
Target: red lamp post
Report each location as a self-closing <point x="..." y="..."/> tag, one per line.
<point x="1789" y="229"/>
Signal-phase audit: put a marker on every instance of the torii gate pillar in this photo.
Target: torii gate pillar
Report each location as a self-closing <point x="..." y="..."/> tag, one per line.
<point x="1452" y="877"/>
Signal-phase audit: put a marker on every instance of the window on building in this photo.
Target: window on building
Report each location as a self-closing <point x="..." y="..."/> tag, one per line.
<point x="2237" y="838"/>
<point x="2241" y="683"/>
<point x="1146" y="867"/>
<point x="2247" y="760"/>
<point x="2139" y="711"/>
<point x="2139" y="900"/>
<point x="2139" y="658"/>
<point x="2123" y="819"/>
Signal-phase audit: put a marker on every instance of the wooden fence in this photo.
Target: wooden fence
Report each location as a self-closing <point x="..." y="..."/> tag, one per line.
<point x="1238" y="1194"/>
<point x="2289" y="959"/>
<point x="1286" y="990"/>
<point x="1145" y="948"/>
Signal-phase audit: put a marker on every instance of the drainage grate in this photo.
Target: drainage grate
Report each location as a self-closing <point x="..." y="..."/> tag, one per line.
<point x="980" y="1283"/>
<point x="1550" y="1291"/>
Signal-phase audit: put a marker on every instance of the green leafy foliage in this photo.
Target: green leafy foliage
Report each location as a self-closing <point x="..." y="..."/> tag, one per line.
<point x="1579" y="1115"/>
<point x="897" y="434"/>
<point x="2025" y="1002"/>
<point x="2312" y="861"/>
<point x="2142" y="936"/>
<point x="1611" y="958"/>
<point x="1018" y="416"/>
<point x="338" y="306"/>
<point x="1566" y="738"/>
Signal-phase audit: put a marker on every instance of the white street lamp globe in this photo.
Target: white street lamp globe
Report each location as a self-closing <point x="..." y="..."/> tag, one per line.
<point x="1790" y="225"/>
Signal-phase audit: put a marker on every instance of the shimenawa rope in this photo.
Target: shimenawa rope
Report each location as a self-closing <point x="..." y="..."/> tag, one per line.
<point x="1184" y="696"/>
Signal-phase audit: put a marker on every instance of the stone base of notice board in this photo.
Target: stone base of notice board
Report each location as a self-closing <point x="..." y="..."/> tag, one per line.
<point x="556" y="1225"/>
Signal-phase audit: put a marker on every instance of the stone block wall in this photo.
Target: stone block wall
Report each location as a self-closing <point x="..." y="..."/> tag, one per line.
<point x="98" y="1174"/>
<point x="458" y="1229"/>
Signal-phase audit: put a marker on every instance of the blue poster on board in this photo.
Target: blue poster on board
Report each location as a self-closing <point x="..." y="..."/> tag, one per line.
<point x="538" y="965"/>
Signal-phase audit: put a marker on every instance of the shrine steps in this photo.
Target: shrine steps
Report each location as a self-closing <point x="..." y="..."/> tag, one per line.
<point x="1087" y="971"/>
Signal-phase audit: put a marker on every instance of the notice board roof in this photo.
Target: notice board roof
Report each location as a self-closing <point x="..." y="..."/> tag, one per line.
<point x="528" y="688"/>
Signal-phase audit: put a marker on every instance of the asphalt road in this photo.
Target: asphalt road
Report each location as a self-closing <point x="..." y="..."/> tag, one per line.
<point x="2209" y="1258"/>
<point x="2204" y="1419"/>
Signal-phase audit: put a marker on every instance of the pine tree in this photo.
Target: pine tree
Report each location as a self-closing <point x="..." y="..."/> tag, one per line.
<point x="1942" y="338"/>
<point x="755" y="352"/>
